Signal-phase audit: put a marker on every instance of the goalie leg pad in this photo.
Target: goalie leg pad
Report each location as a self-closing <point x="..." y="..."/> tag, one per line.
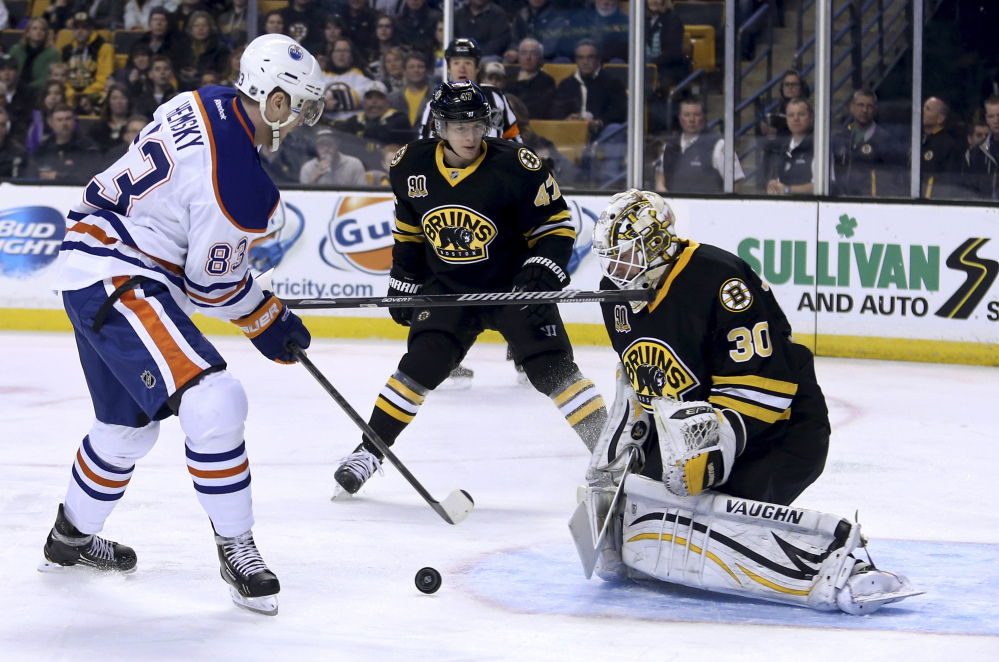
<point x="698" y="443"/>
<point x="628" y="424"/>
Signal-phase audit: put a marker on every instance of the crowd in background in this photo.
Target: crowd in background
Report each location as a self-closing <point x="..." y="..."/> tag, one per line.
<point x="69" y="111"/>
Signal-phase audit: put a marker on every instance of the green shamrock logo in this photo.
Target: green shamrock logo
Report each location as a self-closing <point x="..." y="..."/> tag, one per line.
<point x="846" y="226"/>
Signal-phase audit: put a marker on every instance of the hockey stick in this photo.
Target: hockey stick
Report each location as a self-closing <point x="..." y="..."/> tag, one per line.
<point x="474" y="298"/>
<point x="582" y="532"/>
<point x="452" y="510"/>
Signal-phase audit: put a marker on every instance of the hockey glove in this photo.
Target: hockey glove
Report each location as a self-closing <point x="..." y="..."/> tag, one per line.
<point x="539" y="274"/>
<point x="401" y="284"/>
<point x="698" y="444"/>
<point x="271" y="327"/>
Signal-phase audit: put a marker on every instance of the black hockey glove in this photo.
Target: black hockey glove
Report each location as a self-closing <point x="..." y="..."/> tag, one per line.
<point x="271" y="327"/>
<point x="539" y="274"/>
<point x="401" y="284"/>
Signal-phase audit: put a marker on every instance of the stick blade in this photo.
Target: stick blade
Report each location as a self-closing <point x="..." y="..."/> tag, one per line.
<point x="456" y="507"/>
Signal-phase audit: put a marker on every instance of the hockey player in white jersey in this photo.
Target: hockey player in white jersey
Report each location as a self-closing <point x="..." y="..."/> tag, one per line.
<point x="161" y="234"/>
<point x="721" y="440"/>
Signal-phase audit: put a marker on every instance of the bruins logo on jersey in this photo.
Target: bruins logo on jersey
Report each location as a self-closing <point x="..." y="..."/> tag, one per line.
<point x="528" y="159"/>
<point x="735" y="296"/>
<point x="459" y="234"/>
<point x="654" y="371"/>
<point x="398" y="157"/>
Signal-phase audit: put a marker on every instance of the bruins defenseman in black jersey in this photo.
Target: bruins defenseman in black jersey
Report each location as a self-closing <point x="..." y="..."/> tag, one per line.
<point x="475" y="214"/>
<point x="714" y="334"/>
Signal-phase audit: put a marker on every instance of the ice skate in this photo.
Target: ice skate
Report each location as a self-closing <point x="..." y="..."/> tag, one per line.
<point x="354" y="471"/>
<point x="868" y="589"/>
<point x="66" y="547"/>
<point x="522" y="378"/>
<point x="459" y="379"/>
<point x="251" y="584"/>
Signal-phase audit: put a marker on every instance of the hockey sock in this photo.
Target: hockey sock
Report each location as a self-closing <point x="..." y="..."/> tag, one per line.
<point x="95" y="489"/>
<point x="556" y="375"/>
<point x="399" y="401"/>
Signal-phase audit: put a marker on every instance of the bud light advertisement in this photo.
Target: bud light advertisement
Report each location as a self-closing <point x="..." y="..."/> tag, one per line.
<point x="29" y="239"/>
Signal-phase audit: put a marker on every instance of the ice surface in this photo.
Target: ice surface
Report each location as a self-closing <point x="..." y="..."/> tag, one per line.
<point x="914" y="450"/>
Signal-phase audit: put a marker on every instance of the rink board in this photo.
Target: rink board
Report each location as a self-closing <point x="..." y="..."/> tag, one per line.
<point x="961" y="581"/>
<point x="864" y="280"/>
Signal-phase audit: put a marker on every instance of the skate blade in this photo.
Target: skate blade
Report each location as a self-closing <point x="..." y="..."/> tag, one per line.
<point x="267" y="605"/>
<point x="887" y="598"/>
<point x="340" y="494"/>
<point x="55" y="568"/>
<point x="455" y="384"/>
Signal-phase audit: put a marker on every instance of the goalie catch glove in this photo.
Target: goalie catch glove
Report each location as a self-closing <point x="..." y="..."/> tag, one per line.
<point x="402" y="284"/>
<point x="699" y="444"/>
<point x="628" y="425"/>
<point x="539" y="274"/>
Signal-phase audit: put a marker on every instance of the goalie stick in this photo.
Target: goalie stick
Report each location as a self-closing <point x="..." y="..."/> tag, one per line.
<point x="473" y="298"/>
<point x="453" y="510"/>
<point x="579" y="525"/>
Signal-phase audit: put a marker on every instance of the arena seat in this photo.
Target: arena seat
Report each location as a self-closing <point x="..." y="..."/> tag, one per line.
<point x="702" y="39"/>
<point x="569" y="136"/>
<point x="558" y="71"/>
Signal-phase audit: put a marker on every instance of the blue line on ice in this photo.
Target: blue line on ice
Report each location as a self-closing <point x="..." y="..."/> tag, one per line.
<point x="961" y="581"/>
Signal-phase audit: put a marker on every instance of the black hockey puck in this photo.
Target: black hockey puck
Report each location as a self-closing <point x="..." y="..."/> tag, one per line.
<point x="428" y="580"/>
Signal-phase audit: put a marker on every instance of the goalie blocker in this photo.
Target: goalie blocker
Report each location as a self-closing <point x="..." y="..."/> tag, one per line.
<point x="737" y="546"/>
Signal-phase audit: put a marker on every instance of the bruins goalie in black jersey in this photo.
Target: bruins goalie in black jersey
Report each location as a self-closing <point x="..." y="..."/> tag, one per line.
<point x="475" y="214"/>
<point x="719" y="413"/>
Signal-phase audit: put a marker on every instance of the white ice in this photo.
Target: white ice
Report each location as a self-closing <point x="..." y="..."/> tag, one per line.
<point x="914" y="450"/>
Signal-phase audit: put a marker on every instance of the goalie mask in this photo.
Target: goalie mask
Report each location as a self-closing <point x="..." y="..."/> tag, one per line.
<point x="273" y="62"/>
<point x="459" y="103"/>
<point x="634" y="240"/>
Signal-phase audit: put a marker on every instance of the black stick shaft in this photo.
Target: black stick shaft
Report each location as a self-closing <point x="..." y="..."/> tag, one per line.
<point x="371" y="435"/>
<point x="473" y="299"/>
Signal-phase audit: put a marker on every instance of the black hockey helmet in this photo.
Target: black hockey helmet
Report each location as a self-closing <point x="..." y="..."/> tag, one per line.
<point x="463" y="47"/>
<point x="460" y="102"/>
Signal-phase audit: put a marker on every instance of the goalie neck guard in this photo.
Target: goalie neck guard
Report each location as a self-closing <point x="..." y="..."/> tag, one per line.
<point x="277" y="62"/>
<point x="634" y="240"/>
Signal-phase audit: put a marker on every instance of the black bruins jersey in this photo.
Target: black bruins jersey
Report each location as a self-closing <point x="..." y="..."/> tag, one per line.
<point x="472" y="228"/>
<point x="715" y="332"/>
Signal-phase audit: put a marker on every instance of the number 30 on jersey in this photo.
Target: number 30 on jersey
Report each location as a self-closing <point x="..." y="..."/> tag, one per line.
<point x="749" y="343"/>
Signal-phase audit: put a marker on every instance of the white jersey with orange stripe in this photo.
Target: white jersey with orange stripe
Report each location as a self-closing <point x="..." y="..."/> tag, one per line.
<point x="182" y="206"/>
<point x="507" y="127"/>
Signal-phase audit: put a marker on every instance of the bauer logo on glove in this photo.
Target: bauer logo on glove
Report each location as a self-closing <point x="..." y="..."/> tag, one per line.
<point x="698" y="444"/>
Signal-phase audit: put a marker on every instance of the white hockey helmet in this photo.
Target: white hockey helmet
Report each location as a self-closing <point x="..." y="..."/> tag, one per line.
<point x="634" y="240"/>
<point x="276" y="61"/>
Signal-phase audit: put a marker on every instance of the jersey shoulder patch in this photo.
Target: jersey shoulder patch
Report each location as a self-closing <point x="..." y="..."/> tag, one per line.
<point x="528" y="159"/>
<point x="735" y="295"/>
<point x="398" y="156"/>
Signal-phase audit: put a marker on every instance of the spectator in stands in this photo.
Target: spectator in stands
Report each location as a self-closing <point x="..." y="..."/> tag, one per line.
<point x="771" y="126"/>
<point x="185" y="10"/>
<point x="50" y="96"/>
<point x="106" y="14"/>
<point x="605" y="24"/>
<point x="17" y="98"/>
<point x="392" y="69"/>
<point x="273" y="23"/>
<point x="942" y="155"/>
<point x="379" y="121"/>
<point x="440" y="62"/>
<point x="981" y="167"/>
<point x="485" y="22"/>
<point x="90" y="60"/>
<point x="35" y="53"/>
<point x="494" y="73"/>
<point x="65" y="154"/>
<point x="115" y="111"/>
<point x="284" y="165"/>
<point x="693" y="162"/>
<point x="59" y="14"/>
<point x="413" y="98"/>
<point x="162" y="40"/>
<point x="380" y="177"/>
<point x="231" y="72"/>
<point x="159" y="88"/>
<point x="330" y="167"/>
<point x="58" y="72"/>
<point x="664" y="42"/>
<point x="304" y="24"/>
<point x="12" y="154"/>
<point x="136" y="70"/>
<point x="359" y="22"/>
<point x="542" y="21"/>
<point x="591" y="94"/>
<point x="333" y="29"/>
<point x="232" y="24"/>
<point x="133" y="127"/>
<point x="208" y="53"/>
<point x="4" y="16"/>
<point x="867" y="160"/>
<point x="977" y="132"/>
<point x="139" y="12"/>
<point x="386" y="37"/>
<point x="533" y="86"/>
<point x="417" y="22"/>
<point x="795" y="166"/>
<point x="389" y="7"/>
<point x="346" y="82"/>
